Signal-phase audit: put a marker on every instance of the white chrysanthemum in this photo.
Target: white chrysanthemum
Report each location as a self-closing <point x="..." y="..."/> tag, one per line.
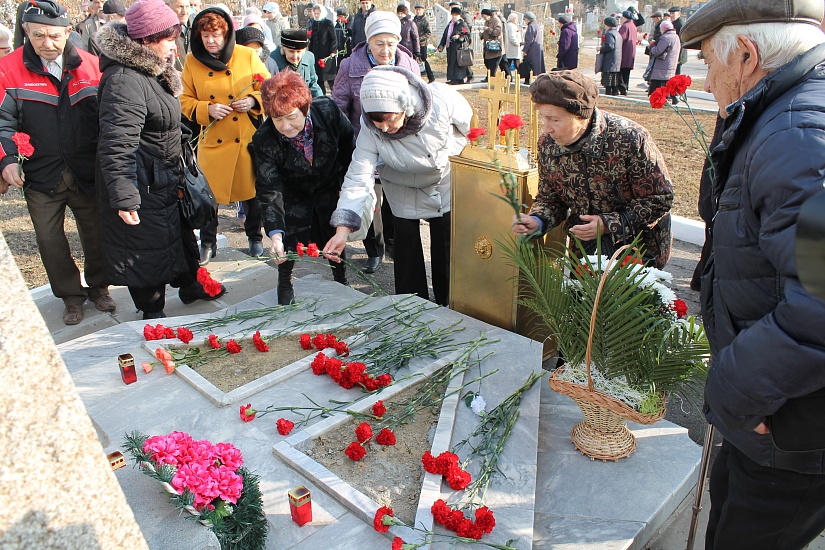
<point x="667" y="295"/>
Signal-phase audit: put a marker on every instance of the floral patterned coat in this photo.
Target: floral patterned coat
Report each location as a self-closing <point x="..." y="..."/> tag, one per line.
<point x="617" y="172"/>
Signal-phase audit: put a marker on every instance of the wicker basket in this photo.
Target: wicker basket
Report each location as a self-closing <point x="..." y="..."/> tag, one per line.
<point x="603" y="434"/>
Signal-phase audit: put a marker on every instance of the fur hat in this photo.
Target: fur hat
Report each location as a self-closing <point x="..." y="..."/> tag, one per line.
<point x="382" y="22"/>
<point x="571" y="90"/>
<point x="147" y="17"/>
<point x="487" y="11"/>
<point x="294" y="39"/>
<point x="385" y="90"/>
<point x="610" y="22"/>
<point x="455" y="10"/>
<point x="46" y="12"/>
<point x="247" y="35"/>
<point x="627" y="14"/>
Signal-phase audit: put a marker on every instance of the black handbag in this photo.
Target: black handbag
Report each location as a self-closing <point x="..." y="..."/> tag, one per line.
<point x="464" y="57"/>
<point x="492" y="46"/>
<point x="197" y="203"/>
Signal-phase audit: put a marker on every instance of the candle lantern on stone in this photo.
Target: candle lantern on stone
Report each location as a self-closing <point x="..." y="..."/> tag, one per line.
<point x="300" y="505"/>
<point x="483" y="284"/>
<point x="127" y="368"/>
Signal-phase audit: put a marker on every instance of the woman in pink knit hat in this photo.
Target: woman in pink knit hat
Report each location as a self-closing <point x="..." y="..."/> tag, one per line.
<point x="147" y="244"/>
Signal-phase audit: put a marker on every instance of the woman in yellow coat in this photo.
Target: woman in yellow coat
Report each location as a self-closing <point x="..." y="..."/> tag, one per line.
<point x="221" y="92"/>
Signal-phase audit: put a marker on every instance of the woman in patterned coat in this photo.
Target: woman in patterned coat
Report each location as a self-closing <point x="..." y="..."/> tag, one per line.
<point x="302" y="152"/>
<point x="599" y="173"/>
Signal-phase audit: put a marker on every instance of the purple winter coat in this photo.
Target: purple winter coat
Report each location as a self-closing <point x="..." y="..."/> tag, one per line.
<point x="665" y="53"/>
<point x="346" y="92"/>
<point x="568" y="55"/>
<point x="627" y="31"/>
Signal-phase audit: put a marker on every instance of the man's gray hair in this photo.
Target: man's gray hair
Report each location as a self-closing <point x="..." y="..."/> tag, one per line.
<point x="778" y="43"/>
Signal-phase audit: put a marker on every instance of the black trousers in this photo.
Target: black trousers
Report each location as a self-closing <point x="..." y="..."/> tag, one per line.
<point x="251" y="225"/>
<point x="410" y="272"/>
<point x="624" y="84"/>
<point x="153" y="299"/>
<point x="762" y="508"/>
<point x="504" y="65"/>
<point x="422" y="53"/>
<point x="492" y="65"/>
<point x="374" y="241"/>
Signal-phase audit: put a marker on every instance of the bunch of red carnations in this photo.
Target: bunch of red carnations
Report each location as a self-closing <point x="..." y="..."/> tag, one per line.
<point x="363" y="433"/>
<point x="324" y="341"/>
<point x="454" y="520"/>
<point x="446" y="464"/>
<point x="159" y="332"/>
<point x="348" y="375"/>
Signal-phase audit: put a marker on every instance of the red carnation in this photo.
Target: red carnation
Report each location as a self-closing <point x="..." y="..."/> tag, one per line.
<point x="299" y="248"/>
<point x="320" y="342"/>
<point x="258" y="77"/>
<point x="149" y="333"/>
<point x="248" y="413"/>
<point x="23" y="142"/>
<point x="322" y="63"/>
<point x="385" y="437"/>
<point x="430" y="463"/>
<point x="678" y="84"/>
<point x="379" y="409"/>
<point x="475" y="133"/>
<point x="363" y="432"/>
<point x="168" y="332"/>
<point x="319" y="364"/>
<point x="469" y="530"/>
<point x="397" y="543"/>
<point x="658" y="98"/>
<point x="485" y="520"/>
<point x="306" y="341"/>
<point x="384" y="380"/>
<point x="458" y="479"/>
<point x="259" y="342"/>
<point x="510" y="122"/>
<point x="341" y="348"/>
<point x="680" y="307"/>
<point x="284" y="426"/>
<point x="331" y="340"/>
<point x="378" y="521"/>
<point x="185" y="335"/>
<point x="440" y="511"/>
<point x="355" y="452"/>
<point x="445" y="461"/>
<point x="309" y="34"/>
<point x="213" y="342"/>
<point x="454" y="519"/>
<point x="312" y="250"/>
<point x="233" y="347"/>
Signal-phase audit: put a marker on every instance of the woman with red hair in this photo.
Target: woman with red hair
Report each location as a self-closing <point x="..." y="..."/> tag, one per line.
<point x="221" y="92"/>
<point x="302" y="152"/>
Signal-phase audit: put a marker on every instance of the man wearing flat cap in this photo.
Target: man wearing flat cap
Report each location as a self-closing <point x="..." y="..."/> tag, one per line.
<point x="765" y="391"/>
<point x="294" y="56"/>
<point x="88" y="27"/>
<point x="49" y="91"/>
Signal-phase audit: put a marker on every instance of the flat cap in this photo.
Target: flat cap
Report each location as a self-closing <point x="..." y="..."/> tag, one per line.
<point x="294" y="39"/>
<point x="657" y="14"/>
<point x="114" y="7"/>
<point x="674" y="8"/>
<point x="571" y="90"/>
<point x="715" y="14"/>
<point x="417" y="6"/>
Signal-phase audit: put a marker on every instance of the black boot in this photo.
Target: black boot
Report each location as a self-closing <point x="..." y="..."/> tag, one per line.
<point x="286" y="295"/>
<point x="339" y="273"/>
<point x="147" y="315"/>
<point x="194" y="291"/>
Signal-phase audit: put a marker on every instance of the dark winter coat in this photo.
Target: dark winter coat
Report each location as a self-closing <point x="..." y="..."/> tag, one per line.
<point x="765" y="330"/>
<point x="322" y="43"/>
<point x="347" y="88"/>
<point x="88" y="30"/>
<point x="60" y="117"/>
<point x="424" y="32"/>
<point x="532" y="51"/>
<point x="138" y="162"/>
<point x="359" y="21"/>
<point x="627" y="31"/>
<point x="615" y="171"/>
<point x="611" y="51"/>
<point x="568" y="55"/>
<point x="292" y="192"/>
<point x="665" y="53"/>
<point x="409" y="35"/>
<point x="454" y="72"/>
<point x="493" y="30"/>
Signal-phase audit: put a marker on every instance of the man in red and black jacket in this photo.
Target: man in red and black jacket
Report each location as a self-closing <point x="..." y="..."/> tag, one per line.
<point x="48" y="91"/>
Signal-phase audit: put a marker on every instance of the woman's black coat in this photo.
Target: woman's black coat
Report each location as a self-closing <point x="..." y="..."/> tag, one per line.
<point x="296" y="197"/>
<point x="454" y="72"/>
<point x="138" y="162"/>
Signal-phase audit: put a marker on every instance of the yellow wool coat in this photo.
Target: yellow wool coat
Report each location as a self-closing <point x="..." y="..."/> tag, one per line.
<point x="222" y="153"/>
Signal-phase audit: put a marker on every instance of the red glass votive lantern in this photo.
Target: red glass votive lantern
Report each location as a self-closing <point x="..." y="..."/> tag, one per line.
<point x="127" y="368"/>
<point x="300" y="505"/>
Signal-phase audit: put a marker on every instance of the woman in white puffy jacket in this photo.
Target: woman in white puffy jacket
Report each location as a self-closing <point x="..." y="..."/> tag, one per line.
<point x="409" y="129"/>
<point x="512" y="47"/>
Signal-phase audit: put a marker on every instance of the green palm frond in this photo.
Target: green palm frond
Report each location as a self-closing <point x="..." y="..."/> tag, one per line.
<point x="634" y="337"/>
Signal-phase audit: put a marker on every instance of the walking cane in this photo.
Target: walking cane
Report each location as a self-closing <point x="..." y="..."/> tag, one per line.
<point x="703" y="474"/>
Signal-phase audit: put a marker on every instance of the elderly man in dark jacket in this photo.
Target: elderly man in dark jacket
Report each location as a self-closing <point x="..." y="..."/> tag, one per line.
<point x="765" y="391"/>
<point x="56" y="105"/>
<point x="359" y="22"/>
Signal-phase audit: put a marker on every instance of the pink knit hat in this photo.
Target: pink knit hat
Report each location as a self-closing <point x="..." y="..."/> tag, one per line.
<point x="147" y="17"/>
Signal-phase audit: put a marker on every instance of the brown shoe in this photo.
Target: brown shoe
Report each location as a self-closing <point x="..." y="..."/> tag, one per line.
<point x="72" y="315"/>
<point x="104" y="302"/>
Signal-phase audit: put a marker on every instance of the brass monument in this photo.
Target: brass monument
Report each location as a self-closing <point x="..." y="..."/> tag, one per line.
<point x="482" y="283"/>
